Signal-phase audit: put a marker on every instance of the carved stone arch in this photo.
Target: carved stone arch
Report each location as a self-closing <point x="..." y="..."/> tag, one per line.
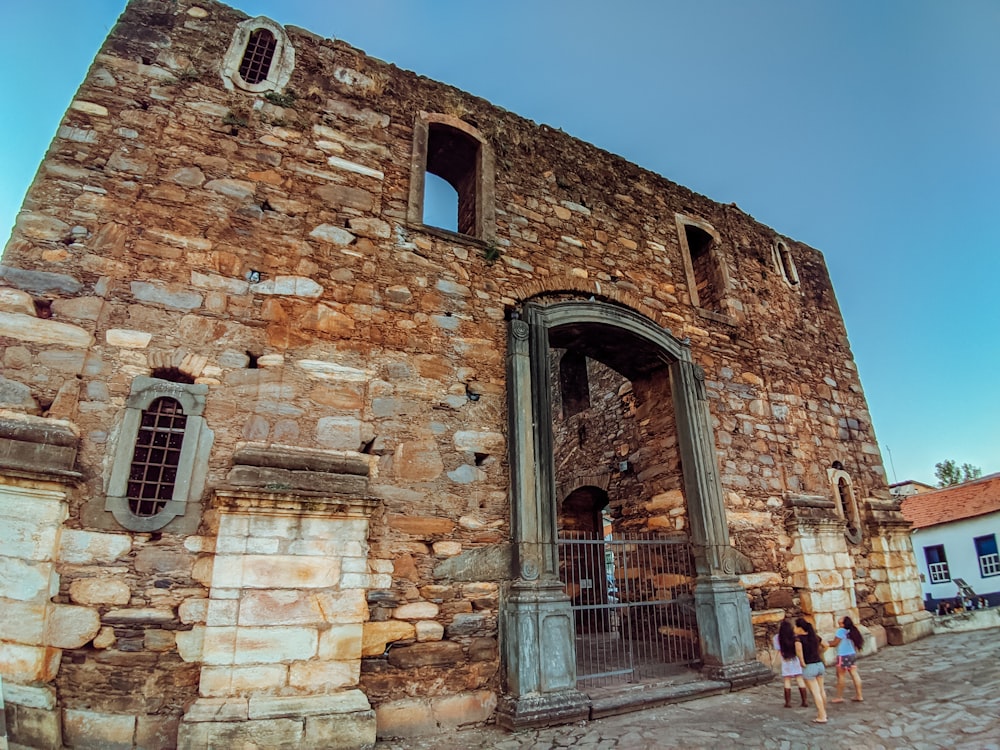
<point x="600" y="481"/>
<point x="603" y="292"/>
<point x="181" y="359"/>
<point x="536" y="614"/>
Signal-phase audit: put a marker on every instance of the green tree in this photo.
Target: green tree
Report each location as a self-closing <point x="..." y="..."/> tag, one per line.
<point x="949" y="473"/>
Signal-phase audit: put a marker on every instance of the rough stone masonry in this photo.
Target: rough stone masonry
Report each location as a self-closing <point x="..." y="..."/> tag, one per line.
<point x="282" y="464"/>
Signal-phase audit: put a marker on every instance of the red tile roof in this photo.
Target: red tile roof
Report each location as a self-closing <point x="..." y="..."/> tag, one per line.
<point x="953" y="503"/>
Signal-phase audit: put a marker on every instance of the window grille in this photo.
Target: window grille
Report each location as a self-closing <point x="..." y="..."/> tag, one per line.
<point x="939" y="572"/>
<point x="989" y="565"/>
<point x="256" y="62"/>
<point x="989" y="559"/>
<point x="153" y="472"/>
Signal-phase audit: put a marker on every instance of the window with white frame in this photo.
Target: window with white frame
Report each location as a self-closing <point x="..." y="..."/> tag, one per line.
<point x="260" y="57"/>
<point x="161" y="455"/>
<point x="937" y="563"/>
<point x="989" y="559"/>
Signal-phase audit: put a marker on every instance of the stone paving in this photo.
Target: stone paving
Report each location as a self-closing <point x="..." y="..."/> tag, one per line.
<point x="940" y="692"/>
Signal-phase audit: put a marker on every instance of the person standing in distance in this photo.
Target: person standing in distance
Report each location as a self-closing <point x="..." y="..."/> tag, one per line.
<point x="848" y="642"/>
<point x="809" y="648"/>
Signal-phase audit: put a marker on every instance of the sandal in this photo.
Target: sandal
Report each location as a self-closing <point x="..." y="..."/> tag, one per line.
<point x="820" y="721"/>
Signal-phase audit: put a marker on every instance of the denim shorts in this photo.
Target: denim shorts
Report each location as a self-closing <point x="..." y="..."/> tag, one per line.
<point x="814" y="670"/>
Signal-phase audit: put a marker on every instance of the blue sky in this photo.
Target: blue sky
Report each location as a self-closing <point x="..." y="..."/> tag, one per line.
<point x="869" y="130"/>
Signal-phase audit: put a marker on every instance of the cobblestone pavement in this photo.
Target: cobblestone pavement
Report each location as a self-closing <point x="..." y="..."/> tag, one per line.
<point x="940" y="692"/>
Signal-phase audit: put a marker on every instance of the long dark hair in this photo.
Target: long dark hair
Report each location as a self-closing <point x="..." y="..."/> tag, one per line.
<point x="786" y="640"/>
<point x="808" y="627"/>
<point x="853" y="633"/>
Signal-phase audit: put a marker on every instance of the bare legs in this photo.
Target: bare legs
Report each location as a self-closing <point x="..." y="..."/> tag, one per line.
<point x="855" y="678"/>
<point x="819" y="698"/>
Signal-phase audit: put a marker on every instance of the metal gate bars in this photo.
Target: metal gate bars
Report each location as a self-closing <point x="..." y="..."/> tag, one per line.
<point x="633" y="605"/>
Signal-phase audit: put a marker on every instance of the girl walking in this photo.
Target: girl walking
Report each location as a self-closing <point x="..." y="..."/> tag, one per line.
<point x="809" y="646"/>
<point x="784" y="643"/>
<point x="848" y="640"/>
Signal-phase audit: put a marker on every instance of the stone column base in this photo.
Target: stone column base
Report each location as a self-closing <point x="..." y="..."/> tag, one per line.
<point x="32" y="716"/>
<point x="909" y="628"/>
<point x="343" y="721"/>
<point x="739" y="675"/>
<point x="563" y="707"/>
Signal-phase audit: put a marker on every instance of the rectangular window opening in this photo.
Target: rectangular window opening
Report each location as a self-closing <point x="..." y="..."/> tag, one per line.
<point x="989" y="559"/>
<point x="937" y="564"/>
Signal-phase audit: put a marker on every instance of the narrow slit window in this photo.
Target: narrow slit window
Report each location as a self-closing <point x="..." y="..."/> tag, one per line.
<point x="700" y="245"/>
<point x="153" y="473"/>
<point x="258" y="55"/>
<point x="786" y="265"/>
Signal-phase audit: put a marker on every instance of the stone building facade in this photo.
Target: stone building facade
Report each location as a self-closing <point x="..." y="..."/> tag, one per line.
<point x="281" y="463"/>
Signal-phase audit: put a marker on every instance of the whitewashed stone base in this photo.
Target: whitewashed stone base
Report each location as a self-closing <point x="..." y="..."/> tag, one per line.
<point x="344" y="721"/>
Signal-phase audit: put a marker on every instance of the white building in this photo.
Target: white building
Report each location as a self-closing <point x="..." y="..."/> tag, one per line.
<point x="954" y="535"/>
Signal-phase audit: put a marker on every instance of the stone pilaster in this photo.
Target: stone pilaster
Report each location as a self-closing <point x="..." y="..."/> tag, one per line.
<point x="893" y="567"/>
<point x="37" y="459"/>
<point x="820" y="566"/>
<point x="282" y="640"/>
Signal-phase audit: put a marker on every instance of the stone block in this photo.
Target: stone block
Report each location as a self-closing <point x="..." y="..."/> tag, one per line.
<point x="342" y="731"/>
<point x="25" y="580"/>
<point x="193" y="611"/>
<point x="30" y="696"/>
<point x="156" y="639"/>
<point x="92" y="730"/>
<point x="404" y="719"/>
<point x="22" y="622"/>
<point x="163" y="561"/>
<point x="269" y="645"/>
<point x="279" y="607"/>
<point x="28" y="664"/>
<point x="103" y="590"/>
<point x="91" y="547"/>
<point x="341" y="642"/>
<point x="218" y="709"/>
<point x="69" y="626"/>
<point x="30" y="727"/>
<point x="417" y="461"/>
<point x="416" y="611"/>
<point x="251" y="735"/>
<point x="421" y="526"/>
<point x="469" y="708"/>
<point x="191" y="644"/>
<point x="436" y="654"/>
<point x="156" y="732"/>
<point x="376" y="635"/>
<point x="322" y="676"/>
<point x="346" y="702"/>
<point x="28" y="540"/>
<point x="429" y="630"/>
<point x="219" y="682"/>
<point x="275" y="572"/>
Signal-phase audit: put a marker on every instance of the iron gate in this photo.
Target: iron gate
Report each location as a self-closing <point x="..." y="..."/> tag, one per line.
<point x="633" y="605"/>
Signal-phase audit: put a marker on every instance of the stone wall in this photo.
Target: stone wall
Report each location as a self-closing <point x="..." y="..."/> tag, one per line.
<point x="263" y="244"/>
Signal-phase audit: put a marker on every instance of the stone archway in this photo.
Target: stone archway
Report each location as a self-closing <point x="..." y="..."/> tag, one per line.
<point x="537" y="624"/>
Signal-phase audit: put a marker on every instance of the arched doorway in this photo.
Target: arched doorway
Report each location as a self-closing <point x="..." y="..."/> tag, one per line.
<point x="538" y="628"/>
